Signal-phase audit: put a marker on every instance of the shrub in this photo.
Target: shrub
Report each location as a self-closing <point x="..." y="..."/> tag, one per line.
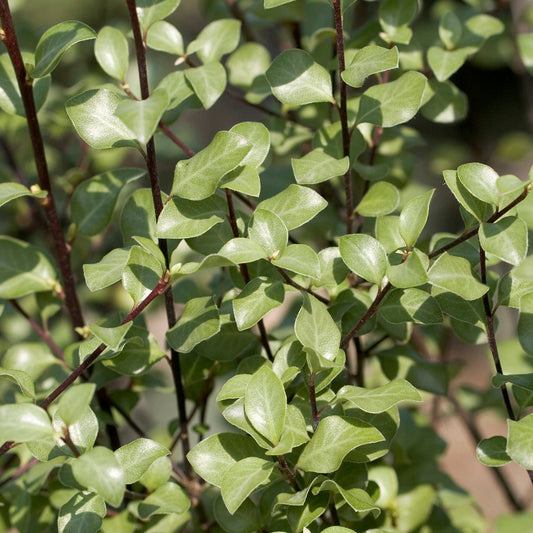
<point x="301" y="287"/>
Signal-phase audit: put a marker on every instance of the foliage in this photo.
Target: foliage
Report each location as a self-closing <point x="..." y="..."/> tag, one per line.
<point x="317" y="216"/>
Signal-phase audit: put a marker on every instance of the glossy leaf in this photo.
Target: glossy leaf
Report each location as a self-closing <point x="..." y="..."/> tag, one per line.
<point x="22" y="422"/>
<point x="247" y="64"/>
<point x="365" y="256"/>
<point x="410" y="273"/>
<point x="257" y="298"/>
<point x="142" y="273"/>
<point x="369" y="60"/>
<point x="150" y="11"/>
<point x="241" y="250"/>
<point x="316" y="330"/>
<point x="74" y="402"/>
<point x="410" y="305"/>
<point x="473" y="205"/>
<point x="11" y="191"/>
<point x="381" y="198"/>
<point x="301" y="259"/>
<point x="215" y="40"/>
<point x="197" y="178"/>
<point x="83" y="512"/>
<point x="414" y="216"/>
<point x="208" y="82"/>
<point x="258" y="136"/>
<point x="168" y="498"/>
<point x="492" y="451"/>
<point x="55" y="42"/>
<point x="165" y="37"/>
<point x="265" y="404"/>
<point x="296" y="79"/>
<point x="444" y="63"/>
<point x="506" y="239"/>
<point x="334" y="438"/>
<point x="198" y="322"/>
<point x="137" y="457"/>
<point x="480" y="180"/>
<point x="268" y="230"/>
<point x="111" y="52"/>
<point x="520" y="441"/>
<point x="20" y="378"/>
<point x="318" y="166"/>
<point x="106" y="271"/>
<point x="394" y="102"/>
<point x="110" y="336"/>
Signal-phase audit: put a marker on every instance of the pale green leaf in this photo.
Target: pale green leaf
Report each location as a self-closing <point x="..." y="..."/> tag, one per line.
<point x="506" y="238"/>
<point x="241" y="250"/>
<point x="111" y="52"/>
<point x="525" y="49"/>
<point x="21" y="378"/>
<point x="165" y="37"/>
<point x="520" y="441"/>
<point x="381" y="198"/>
<point x="74" y="402"/>
<point x="244" y="179"/>
<point x="414" y="216"/>
<point x="317" y="166"/>
<point x="369" y="60"/>
<point x="444" y="102"/>
<point x="208" y="82"/>
<point x="444" y="63"/>
<point x="365" y="256"/>
<point x="142" y="274"/>
<point x="269" y="4"/>
<point x="83" y="512"/>
<point x="110" y="336"/>
<point x="22" y="422"/>
<point x="157" y="474"/>
<point x="137" y="457"/>
<point x="258" y="136"/>
<point x="480" y="180"/>
<point x="106" y="271"/>
<point x="450" y="29"/>
<point x="150" y="11"/>
<point x="268" y="230"/>
<point x="216" y="39"/>
<point x="168" y="498"/>
<point x="410" y="305"/>
<point x="11" y="191"/>
<point x="492" y="451"/>
<point x="301" y="259"/>
<point x="473" y="205"/>
<point x="246" y="64"/>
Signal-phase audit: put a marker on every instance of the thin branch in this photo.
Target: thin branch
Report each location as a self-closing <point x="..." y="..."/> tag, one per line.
<point x="170" y="134"/>
<point x="312" y="399"/>
<point x="15" y="475"/>
<point x="293" y="283"/>
<point x="25" y="84"/>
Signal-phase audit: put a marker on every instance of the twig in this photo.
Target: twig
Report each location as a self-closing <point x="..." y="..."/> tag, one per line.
<point x="15" y="475"/>
<point x="293" y="283"/>
<point x="312" y="399"/>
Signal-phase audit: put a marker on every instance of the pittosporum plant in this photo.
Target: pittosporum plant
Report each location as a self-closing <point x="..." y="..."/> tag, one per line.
<point x="303" y="298"/>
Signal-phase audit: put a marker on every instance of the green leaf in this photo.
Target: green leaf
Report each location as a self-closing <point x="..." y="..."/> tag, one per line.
<point x="23" y="422"/>
<point x="249" y="62"/>
<point x="21" y="378"/>
<point x="216" y="39"/>
<point x="142" y="274"/>
<point x="157" y="474"/>
<point x="369" y="60"/>
<point x="111" y="337"/>
<point x="94" y="200"/>
<point x="242" y="479"/>
<point x="143" y="116"/>
<point x="150" y="11"/>
<point x="83" y="512"/>
<point x="392" y="103"/>
<point x="295" y="205"/>
<point x="395" y="15"/>
<point x="214" y="456"/>
<point x="100" y="471"/>
<point x="492" y="451"/>
<point x="472" y="204"/>
<point x="525" y="323"/>
<point x="480" y="180"/>
<point x="208" y="82"/>
<point x="450" y="29"/>
<point x="334" y="438"/>
<point x="198" y="322"/>
<point x="258" y="136"/>
<point x="268" y="230"/>
<point x="410" y="273"/>
<point x="414" y="216"/>
<point x="365" y="256"/>
<point x="55" y="42"/>
<point x="111" y="52"/>
<point x="455" y="275"/>
<point x="197" y="178"/>
<point x="511" y="289"/>
<point x="444" y="102"/>
<point x="265" y="404"/>
<point x="525" y="49"/>
<point x="380" y="399"/>
<point x="315" y="328"/>
<point x="166" y="499"/>
<point x="269" y="4"/>
<point x="11" y="191"/>
<point x="241" y="250"/>
<point x="74" y="402"/>
<point x="10" y="99"/>
<point x="244" y="179"/>
<point x="183" y="219"/>
<point x="520" y="441"/>
<point x="506" y="239"/>
<point x="484" y="26"/>
<point x="246" y="518"/>
<point x="296" y="79"/>
<point x="165" y="37"/>
<point x="258" y="297"/>
<point x="410" y="305"/>
<point x="301" y="259"/>
<point x="381" y="198"/>
<point x="106" y="271"/>
<point x="93" y="115"/>
<point x="444" y="63"/>
<point x="23" y="269"/>
<point x="318" y="166"/>
<point x="137" y="457"/>
<point x="388" y="233"/>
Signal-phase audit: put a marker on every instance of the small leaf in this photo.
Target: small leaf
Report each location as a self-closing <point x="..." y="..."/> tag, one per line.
<point x="410" y="273"/>
<point x="106" y="271"/>
<point x="21" y="378"/>
<point x="525" y="323"/>
<point x="301" y="259"/>
<point x="295" y="205"/>
<point x="242" y="479"/>
<point x="165" y="37"/>
<point x="241" y="250"/>
<point x="265" y="404"/>
<point x="55" y="42"/>
<point x="520" y="441"/>
<point x="369" y="60"/>
<point x="11" y="191"/>
<point x="166" y="499"/>
<point x="83" y="512"/>
<point x="450" y="29"/>
<point x="257" y="298"/>
<point x="455" y="275"/>
<point x="142" y="274"/>
<point x="111" y="52"/>
<point x="198" y="322"/>
<point x="334" y="438"/>
<point x="74" y="402"/>
<point x="93" y="115"/>
<point x="197" y="178"/>
<point x="216" y="39"/>
<point x="150" y="11"/>
<point x="410" y="305"/>
<point x="258" y="136"/>
<point x="392" y="103"/>
<point x="445" y="103"/>
<point x="315" y="328"/>
<point x="137" y="457"/>
<point x="23" y="422"/>
<point x="444" y="63"/>
<point x="268" y="230"/>
<point x="480" y="180"/>
<point x="414" y="216"/>
<point x="100" y="471"/>
<point x="111" y="337"/>
<point x="506" y="239"/>
<point x="247" y="63"/>
<point x="472" y="204"/>
<point x="365" y="256"/>
<point x="317" y="166"/>
<point x="492" y="451"/>
<point x="381" y="198"/>
<point x="208" y="82"/>
<point x="296" y="79"/>
<point x="395" y="15"/>
<point x="380" y="399"/>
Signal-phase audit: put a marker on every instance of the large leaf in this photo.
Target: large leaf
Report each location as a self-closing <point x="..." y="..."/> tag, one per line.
<point x="55" y="42"/>
<point x="369" y="60"/>
<point x="197" y="178"/>
<point x="334" y="438"/>
<point x="520" y="441"/>
<point x="94" y="200"/>
<point x="318" y="166"/>
<point x="296" y="79"/>
<point x="23" y="269"/>
<point x="215" y="40"/>
<point x="137" y="457"/>
<point x="365" y="256"/>
<point x="268" y="230"/>
<point x="480" y="180"/>
<point x="22" y="422"/>
<point x="315" y="328"/>
<point x="208" y="82"/>
<point x="392" y="103"/>
<point x="111" y="52"/>
<point x="506" y="239"/>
